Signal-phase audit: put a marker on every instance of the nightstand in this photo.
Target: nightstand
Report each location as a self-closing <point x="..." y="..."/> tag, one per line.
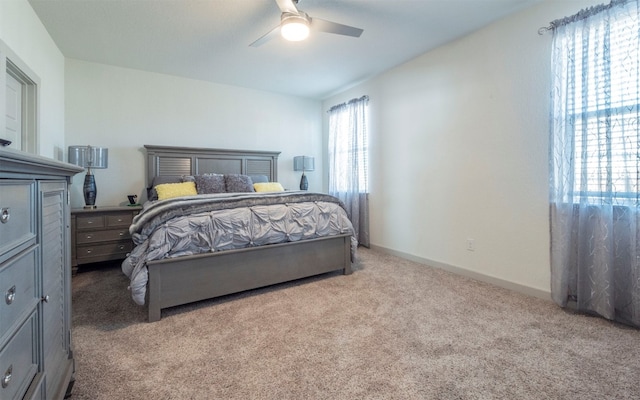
<point x="101" y="234"/>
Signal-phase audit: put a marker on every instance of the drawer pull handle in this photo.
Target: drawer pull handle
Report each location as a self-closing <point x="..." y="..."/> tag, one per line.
<point x="89" y="222"/>
<point x="88" y="251"/>
<point x="121" y="247"/>
<point x="10" y="296"/>
<point x="121" y="233"/>
<point x="89" y="236"/>
<point x="5" y="215"/>
<point x="7" y="377"/>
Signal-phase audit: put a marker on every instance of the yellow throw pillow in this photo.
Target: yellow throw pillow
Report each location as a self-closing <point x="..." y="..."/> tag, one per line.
<point x="268" y="187"/>
<point x="170" y="190"/>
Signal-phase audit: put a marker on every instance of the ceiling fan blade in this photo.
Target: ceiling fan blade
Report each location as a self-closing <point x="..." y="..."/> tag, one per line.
<point x="287" y="6"/>
<point x="266" y="37"/>
<point x="334" y="27"/>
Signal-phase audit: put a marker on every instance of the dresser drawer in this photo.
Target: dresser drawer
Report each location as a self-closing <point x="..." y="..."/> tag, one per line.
<point x="115" y="249"/>
<point x="18" y="289"/>
<point x="119" y="220"/>
<point x="17" y="361"/>
<point x="102" y="236"/>
<point x="90" y="221"/>
<point x="17" y="210"/>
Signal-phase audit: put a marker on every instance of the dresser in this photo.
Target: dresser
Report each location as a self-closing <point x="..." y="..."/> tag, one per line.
<point x="36" y="357"/>
<point x="101" y="234"/>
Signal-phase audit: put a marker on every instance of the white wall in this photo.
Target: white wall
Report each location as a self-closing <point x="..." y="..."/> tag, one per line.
<point x="24" y="34"/>
<point x="459" y="150"/>
<point x="124" y="109"/>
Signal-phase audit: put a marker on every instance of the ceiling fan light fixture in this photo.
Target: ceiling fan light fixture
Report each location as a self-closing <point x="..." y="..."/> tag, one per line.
<point x="294" y="28"/>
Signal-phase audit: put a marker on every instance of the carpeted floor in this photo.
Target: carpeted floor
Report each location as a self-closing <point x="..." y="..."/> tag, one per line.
<point x="393" y="329"/>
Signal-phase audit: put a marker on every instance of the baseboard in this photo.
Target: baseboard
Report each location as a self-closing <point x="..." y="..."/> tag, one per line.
<point x="516" y="287"/>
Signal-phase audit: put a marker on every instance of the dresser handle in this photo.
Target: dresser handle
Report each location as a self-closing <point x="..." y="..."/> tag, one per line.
<point x="121" y="233"/>
<point x="89" y="236"/>
<point x="10" y="295"/>
<point x="121" y="247"/>
<point x="4" y="216"/>
<point x="7" y="377"/>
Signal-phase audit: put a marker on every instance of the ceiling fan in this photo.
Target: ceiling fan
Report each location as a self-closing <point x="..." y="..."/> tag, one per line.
<point x="295" y="25"/>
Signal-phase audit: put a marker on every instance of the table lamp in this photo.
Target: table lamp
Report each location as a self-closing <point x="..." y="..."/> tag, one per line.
<point x="303" y="163"/>
<point x="89" y="157"/>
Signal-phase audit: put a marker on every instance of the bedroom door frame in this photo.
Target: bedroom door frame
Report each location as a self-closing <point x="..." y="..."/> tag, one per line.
<point x="11" y="64"/>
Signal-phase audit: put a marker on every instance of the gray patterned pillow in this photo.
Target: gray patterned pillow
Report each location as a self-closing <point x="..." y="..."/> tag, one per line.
<point x="210" y="183"/>
<point x="236" y="183"/>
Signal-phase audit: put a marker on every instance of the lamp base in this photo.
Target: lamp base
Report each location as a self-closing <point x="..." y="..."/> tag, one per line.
<point x="90" y="191"/>
<point x="93" y="207"/>
<point x="304" y="183"/>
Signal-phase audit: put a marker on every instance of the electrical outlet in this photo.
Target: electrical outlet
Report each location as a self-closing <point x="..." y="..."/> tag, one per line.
<point x="471" y="245"/>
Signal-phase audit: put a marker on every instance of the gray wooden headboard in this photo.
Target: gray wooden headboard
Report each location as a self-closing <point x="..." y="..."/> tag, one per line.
<point x="171" y="160"/>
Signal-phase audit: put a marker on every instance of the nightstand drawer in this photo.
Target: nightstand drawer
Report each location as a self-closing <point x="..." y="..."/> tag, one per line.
<point x="18" y="289"/>
<point x="102" y="236"/>
<point x="90" y="222"/>
<point x="17" y="209"/>
<point x="17" y="361"/>
<point x="101" y="250"/>
<point x="116" y="220"/>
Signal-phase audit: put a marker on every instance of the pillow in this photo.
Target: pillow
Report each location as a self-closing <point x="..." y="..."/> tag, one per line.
<point x="268" y="187"/>
<point x="236" y="183"/>
<point x="188" y="178"/>
<point x="170" y="190"/>
<point x="159" y="180"/>
<point x="259" y="178"/>
<point x="210" y="183"/>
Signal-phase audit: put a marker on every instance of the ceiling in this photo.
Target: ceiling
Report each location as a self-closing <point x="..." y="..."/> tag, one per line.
<point x="209" y="39"/>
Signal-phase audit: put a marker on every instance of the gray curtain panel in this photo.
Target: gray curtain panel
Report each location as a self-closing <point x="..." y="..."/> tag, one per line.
<point x="349" y="162"/>
<point x="595" y="162"/>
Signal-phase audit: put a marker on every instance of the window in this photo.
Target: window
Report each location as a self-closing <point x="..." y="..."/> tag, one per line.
<point x="349" y="147"/>
<point x="602" y="110"/>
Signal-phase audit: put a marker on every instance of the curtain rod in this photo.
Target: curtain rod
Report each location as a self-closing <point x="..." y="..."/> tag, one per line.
<point x="580" y="15"/>
<point x="363" y="98"/>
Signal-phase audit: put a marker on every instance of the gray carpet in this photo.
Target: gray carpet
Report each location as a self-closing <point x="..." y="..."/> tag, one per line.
<point x="393" y="329"/>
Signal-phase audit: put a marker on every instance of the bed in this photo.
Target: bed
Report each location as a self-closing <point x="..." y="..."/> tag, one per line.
<point x="272" y="237"/>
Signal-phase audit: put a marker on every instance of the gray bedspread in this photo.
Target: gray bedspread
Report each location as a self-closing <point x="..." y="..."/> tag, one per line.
<point x="215" y="222"/>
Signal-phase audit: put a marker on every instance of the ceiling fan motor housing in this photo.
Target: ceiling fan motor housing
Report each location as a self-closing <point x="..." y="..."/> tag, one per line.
<point x="295" y="27"/>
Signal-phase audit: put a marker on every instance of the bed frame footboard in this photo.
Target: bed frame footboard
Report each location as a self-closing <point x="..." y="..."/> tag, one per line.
<point x="188" y="279"/>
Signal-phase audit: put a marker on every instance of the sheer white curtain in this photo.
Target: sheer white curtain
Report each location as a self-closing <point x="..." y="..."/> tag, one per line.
<point x="595" y="161"/>
<point x="349" y="162"/>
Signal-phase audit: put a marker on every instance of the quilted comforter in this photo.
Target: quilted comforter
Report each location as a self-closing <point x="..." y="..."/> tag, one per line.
<point x="215" y="222"/>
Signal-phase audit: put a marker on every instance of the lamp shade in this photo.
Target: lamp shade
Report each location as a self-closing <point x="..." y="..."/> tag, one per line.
<point x="89" y="156"/>
<point x="304" y="163"/>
